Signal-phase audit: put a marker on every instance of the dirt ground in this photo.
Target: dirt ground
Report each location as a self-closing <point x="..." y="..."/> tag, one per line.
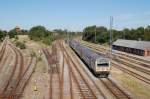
<point x="38" y="85"/>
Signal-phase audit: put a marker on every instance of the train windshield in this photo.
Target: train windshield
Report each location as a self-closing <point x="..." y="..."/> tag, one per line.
<point x="103" y="64"/>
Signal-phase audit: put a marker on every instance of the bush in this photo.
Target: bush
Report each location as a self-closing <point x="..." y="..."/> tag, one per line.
<point x="20" y="45"/>
<point x="12" y="33"/>
<point x="40" y="33"/>
<point x="16" y="37"/>
<point x="37" y="33"/>
<point x="2" y="35"/>
<point x="33" y="54"/>
<point x="39" y="59"/>
<point x="47" y="40"/>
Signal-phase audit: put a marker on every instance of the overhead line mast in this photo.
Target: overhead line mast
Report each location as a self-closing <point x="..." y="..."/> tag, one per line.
<point x="111" y="35"/>
<point x="95" y="33"/>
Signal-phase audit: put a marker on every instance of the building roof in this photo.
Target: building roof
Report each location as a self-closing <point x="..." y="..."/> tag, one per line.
<point x="17" y="27"/>
<point x="143" y="45"/>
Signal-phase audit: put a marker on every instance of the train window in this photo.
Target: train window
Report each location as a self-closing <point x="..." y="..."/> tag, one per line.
<point x="103" y="64"/>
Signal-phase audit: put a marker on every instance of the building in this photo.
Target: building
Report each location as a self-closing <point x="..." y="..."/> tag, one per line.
<point x="141" y="48"/>
<point x="17" y="28"/>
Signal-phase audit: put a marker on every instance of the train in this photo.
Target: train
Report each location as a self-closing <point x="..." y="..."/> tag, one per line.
<point x="97" y="63"/>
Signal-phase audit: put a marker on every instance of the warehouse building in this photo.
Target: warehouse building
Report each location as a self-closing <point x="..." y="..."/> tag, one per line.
<point x="141" y="48"/>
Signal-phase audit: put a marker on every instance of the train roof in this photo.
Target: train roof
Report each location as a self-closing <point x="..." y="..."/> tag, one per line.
<point x="143" y="45"/>
<point x="93" y="54"/>
<point x="89" y="52"/>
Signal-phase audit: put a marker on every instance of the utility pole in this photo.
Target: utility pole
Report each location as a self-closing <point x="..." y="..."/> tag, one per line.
<point x="123" y="34"/>
<point x="95" y="34"/>
<point x="67" y="37"/>
<point x="111" y="34"/>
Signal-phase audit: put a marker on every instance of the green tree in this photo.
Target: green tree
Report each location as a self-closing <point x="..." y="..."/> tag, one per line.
<point x="147" y="33"/>
<point x="12" y="33"/>
<point x="2" y="35"/>
<point x="102" y="34"/>
<point x="39" y="33"/>
<point x="90" y="32"/>
<point x="24" y="32"/>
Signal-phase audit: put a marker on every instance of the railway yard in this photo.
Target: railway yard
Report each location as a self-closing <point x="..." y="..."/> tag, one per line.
<point x="57" y="72"/>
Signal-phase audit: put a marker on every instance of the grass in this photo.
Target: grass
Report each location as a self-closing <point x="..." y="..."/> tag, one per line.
<point x="21" y="45"/>
<point x="34" y="51"/>
<point x="142" y="91"/>
<point x="106" y="45"/>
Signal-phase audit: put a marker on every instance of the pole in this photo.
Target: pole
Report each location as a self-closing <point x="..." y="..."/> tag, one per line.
<point x="95" y="34"/>
<point x="123" y="34"/>
<point x="111" y="34"/>
<point x="67" y="37"/>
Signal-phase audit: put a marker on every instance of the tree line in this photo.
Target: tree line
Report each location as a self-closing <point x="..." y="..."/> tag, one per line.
<point x="96" y="34"/>
<point x="39" y="33"/>
<point x="100" y="34"/>
<point x="2" y="34"/>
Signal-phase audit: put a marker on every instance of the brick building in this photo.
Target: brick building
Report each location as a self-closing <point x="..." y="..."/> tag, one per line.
<point x="17" y="28"/>
<point x="141" y="48"/>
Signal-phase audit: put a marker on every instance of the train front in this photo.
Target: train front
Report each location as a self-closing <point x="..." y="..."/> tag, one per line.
<point x="102" y="67"/>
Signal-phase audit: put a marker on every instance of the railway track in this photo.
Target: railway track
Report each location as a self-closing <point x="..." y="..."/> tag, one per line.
<point x="115" y="90"/>
<point x="55" y="84"/>
<point x="3" y="46"/>
<point x="65" y="84"/>
<point x="93" y="80"/>
<point x="66" y="81"/>
<point x="2" y="51"/>
<point x="110" y="85"/>
<point x="140" y="77"/>
<point x="3" y="55"/>
<point x="65" y="75"/>
<point x="13" y="80"/>
<point x="18" y="79"/>
<point x="139" y="61"/>
<point x="133" y="66"/>
<point x="24" y="79"/>
<point x="136" y="61"/>
<point x="12" y="73"/>
<point x="84" y="88"/>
